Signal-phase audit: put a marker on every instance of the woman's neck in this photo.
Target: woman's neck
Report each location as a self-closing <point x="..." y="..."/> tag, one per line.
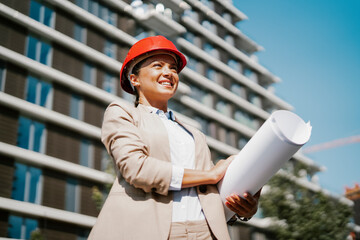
<point x="156" y="104"/>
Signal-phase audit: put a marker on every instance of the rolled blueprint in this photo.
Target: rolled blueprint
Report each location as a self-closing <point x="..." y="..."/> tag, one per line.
<point x="276" y="141"/>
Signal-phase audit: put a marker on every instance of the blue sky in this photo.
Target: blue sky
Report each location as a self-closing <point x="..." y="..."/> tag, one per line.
<point x="314" y="47"/>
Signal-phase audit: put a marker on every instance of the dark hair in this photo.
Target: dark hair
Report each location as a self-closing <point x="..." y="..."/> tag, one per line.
<point x="137" y="97"/>
<point x="136" y="70"/>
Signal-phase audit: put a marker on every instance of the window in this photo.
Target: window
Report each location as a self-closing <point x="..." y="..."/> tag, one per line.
<point x="211" y="50"/>
<point x="142" y="35"/>
<point x="97" y="9"/>
<point x="41" y="13"/>
<point x="84" y="4"/>
<point x="72" y="195"/>
<point x="208" y="3"/>
<point x="178" y="107"/>
<point x="197" y="93"/>
<point x="39" y="92"/>
<point x="94" y="7"/>
<point x="76" y="107"/>
<point x="230" y="138"/>
<point x="212" y="75"/>
<point x="27" y="184"/>
<point x="110" y="49"/>
<point x="2" y="76"/>
<point x="110" y="83"/>
<point x="107" y="15"/>
<point x="192" y="14"/>
<point x="227" y="17"/>
<point x="255" y="99"/>
<point x="223" y="108"/>
<point x="235" y="65"/>
<point x="251" y="75"/>
<point x="106" y="162"/>
<point x="242" y="142"/>
<point x="39" y="51"/>
<point x="86" y="153"/>
<point x="128" y="97"/>
<point x="204" y="124"/>
<point x="229" y="39"/>
<point x="31" y="135"/>
<point x="238" y="90"/>
<point x="193" y="64"/>
<point x="213" y="129"/>
<point x="246" y="119"/>
<point x="221" y="134"/>
<point x="242" y="117"/>
<point x="208" y="100"/>
<point x="80" y="33"/>
<point x="209" y="26"/>
<point x="20" y="227"/>
<point x="190" y="37"/>
<point x="89" y="74"/>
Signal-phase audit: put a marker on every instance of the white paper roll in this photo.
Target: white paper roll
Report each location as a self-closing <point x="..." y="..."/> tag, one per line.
<point x="276" y="141"/>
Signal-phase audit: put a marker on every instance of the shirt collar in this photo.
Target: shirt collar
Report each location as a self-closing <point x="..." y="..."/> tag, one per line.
<point x="169" y="114"/>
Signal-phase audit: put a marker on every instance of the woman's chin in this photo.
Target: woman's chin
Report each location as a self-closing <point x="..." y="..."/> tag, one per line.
<point x="167" y="91"/>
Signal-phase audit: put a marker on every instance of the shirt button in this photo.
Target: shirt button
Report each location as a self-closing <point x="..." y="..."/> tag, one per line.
<point x="203" y="188"/>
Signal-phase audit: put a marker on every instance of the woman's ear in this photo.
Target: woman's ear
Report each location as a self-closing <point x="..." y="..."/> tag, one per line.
<point x="134" y="80"/>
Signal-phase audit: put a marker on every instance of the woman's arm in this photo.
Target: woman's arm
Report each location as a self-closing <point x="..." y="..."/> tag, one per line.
<point x="123" y="141"/>
<point x="194" y="178"/>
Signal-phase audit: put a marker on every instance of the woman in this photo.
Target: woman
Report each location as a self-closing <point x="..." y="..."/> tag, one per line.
<point x="166" y="183"/>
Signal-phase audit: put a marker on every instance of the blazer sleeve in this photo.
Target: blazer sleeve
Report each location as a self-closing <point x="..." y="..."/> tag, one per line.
<point x="123" y="142"/>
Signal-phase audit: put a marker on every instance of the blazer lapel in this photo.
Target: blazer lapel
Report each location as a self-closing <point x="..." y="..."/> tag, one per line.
<point x="154" y="128"/>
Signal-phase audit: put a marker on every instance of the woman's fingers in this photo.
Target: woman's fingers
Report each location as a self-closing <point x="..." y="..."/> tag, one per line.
<point x="244" y="206"/>
<point x="237" y="209"/>
<point x="239" y="203"/>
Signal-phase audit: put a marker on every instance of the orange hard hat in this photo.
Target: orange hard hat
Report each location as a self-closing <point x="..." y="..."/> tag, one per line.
<point x="147" y="46"/>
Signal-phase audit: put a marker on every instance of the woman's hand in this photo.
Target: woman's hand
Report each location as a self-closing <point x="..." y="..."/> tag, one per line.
<point x="219" y="170"/>
<point x="194" y="177"/>
<point x="245" y="206"/>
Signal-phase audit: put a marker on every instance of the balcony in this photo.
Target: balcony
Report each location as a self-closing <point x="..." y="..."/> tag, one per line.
<point x="222" y="67"/>
<point x="160" y="23"/>
<point x="177" y="6"/>
<point x="224" y="93"/>
<point x="150" y="17"/>
<point x="213" y="38"/>
<point x="237" y="14"/>
<point x="246" y="44"/>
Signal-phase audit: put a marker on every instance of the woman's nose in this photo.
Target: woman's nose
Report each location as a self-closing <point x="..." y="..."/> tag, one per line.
<point x="167" y="71"/>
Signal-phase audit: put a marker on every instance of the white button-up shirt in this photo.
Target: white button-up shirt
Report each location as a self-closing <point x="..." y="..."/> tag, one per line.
<point x="186" y="204"/>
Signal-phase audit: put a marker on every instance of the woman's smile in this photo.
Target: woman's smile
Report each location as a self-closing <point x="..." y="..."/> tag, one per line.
<point x="166" y="83"/>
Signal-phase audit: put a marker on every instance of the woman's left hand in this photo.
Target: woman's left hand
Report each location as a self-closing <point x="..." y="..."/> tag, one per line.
<point x="245" y="206"/>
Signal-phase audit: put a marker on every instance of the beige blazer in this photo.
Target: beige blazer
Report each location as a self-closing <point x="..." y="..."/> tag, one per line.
<point x="139" y="205"/>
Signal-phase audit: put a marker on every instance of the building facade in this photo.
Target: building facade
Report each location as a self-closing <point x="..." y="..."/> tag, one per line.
<point x="59" y="69"/>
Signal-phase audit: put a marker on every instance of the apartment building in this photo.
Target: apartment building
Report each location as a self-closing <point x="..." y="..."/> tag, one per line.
<point x="59" y="69"/>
